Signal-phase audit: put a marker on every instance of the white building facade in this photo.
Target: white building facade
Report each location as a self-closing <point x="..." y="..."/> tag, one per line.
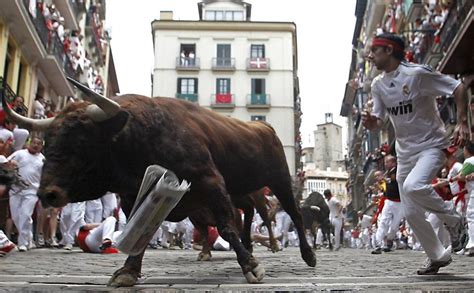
<point x="239" y="68"/>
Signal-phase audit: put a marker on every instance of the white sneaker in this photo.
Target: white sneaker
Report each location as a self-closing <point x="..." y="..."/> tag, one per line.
<point x="31" y="245"/>
<point x="68" y="246"/>
<point x="22" y="248"/>
<point x="40" y="240"/>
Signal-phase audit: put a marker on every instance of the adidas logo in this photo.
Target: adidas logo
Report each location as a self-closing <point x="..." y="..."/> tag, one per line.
<point x="392" y="85"/>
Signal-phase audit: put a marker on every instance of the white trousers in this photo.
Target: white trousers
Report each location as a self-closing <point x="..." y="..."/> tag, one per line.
<point x="414" y="176"/>
<point x="97" y="235"/>
<point x="337" y="224"/>
<point x="439" y="229"/>
<point x="389" y="221"/>
<point x="93" y="211"/>
<point x="72" y="218"/>
<point x="470" y="219"/>
<point x="283" y="223"/>
<point x="109" y="204"/>
<point x="21" y="208"/>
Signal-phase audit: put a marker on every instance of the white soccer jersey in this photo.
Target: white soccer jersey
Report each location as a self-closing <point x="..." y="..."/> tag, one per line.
<point x="408" y="95"/>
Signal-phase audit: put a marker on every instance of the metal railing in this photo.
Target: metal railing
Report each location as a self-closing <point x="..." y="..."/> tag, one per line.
<point x="78" y="6"/>
<point x="258" y="100"/>
<point x="258" y="64"/>
<point x="456" y="17"/>
<point x="223" y="100"/>
<point x="223" y="63"/>
<point x="188" y="97"/>
<point x="8" y="94"/>
<point x="188" y="63"/>
<point x="39" y="23"/>
<point x="51" y="41"/>
<point x="91" y="22"/>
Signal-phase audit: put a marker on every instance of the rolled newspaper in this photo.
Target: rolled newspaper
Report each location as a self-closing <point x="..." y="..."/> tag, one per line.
<point x="159" y="193"/>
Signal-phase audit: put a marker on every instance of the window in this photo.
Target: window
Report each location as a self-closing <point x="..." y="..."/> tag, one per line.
<point x="257" y="51"/>
<point x="223" y="86"/>
<point x="258" y="86"/>
<point x="227" y="15"/>
<point x="238" y="15"/>
<point x="187" y="54"/>
<point x="187" y="85"/>
<point x="210" y="15"/>
<point x="223" y="55"/>
<point x="258" y="118"/>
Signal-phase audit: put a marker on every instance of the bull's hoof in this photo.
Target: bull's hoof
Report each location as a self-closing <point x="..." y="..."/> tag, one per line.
<point x="123" y="277"/>
<point x="275" y="248"/>
<point x="254" y="272"/>
<point x="309" y="257"/>
<point x="202" y="256"/>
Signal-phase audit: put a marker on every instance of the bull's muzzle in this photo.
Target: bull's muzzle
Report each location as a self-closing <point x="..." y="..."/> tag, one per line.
<point x="53" y="196"/>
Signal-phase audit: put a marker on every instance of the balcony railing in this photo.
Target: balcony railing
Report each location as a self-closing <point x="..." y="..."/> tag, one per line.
<point x="258" y="101"/>
<point x="188" y="63"/>
<point x="188" y="97"/>
<point x="39" y="23"/>
<point x="222" y="101"/>
<point x="455" y="19"/>
<point x="92" y="24"/>
<point x="10" y="95"/>
<point x="224" y="64"/>
<point x="78" y="6"/>
<point x="258" y="64"/>
<point x="51" y="42"/>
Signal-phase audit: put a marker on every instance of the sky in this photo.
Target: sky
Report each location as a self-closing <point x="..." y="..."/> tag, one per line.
<point x="324" y="36"/>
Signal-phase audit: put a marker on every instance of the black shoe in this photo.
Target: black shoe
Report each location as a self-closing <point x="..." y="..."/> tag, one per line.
<point x="458" y="234"/>
<point x="389" y="246"/>
<point x="432" y="267"/>
<point x="105" y="244"/>
<point x="378" y="250"/>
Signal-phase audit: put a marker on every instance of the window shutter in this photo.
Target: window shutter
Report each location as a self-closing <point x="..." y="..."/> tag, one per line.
<point x="178" y="89"/>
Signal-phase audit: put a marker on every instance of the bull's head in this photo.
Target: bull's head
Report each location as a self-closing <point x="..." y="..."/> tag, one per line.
<point x="78" y="143"/>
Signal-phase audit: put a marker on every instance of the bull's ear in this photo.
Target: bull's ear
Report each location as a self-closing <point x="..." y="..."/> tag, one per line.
<point x="114" y="124"/>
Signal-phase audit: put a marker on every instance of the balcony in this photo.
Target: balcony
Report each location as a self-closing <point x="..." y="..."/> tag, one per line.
<point x="456" y="39"/>
<point x="258" y="64"/>
<point x="223" y="64"/>
<point x="414" y="9"/>
<point x="28" y="27"/>
<point x="258" y="101"/>
<point x="72" y="11"/>
<point x="188" y="64"/>
<point x="9" y="95"/>
<point x="92" y="27"/>
<point x="188" y="97"/>
<point x="222" y="101"/>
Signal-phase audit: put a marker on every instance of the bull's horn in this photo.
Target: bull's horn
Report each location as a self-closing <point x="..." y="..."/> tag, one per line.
<point x="28" y="123"/>
<point x="111" y="108"/>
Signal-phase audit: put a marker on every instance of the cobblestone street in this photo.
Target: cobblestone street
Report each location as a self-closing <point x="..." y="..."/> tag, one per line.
<point x="175" y="270"/>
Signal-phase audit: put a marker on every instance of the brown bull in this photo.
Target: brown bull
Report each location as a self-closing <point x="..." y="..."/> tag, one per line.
<point x="107" y="145"/>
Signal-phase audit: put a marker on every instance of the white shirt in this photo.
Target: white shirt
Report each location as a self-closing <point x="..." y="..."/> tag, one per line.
<point x="408" y="95"/>
<point x="454" y="186"/>
<point x="29" y="169"/>
<point x="335" y="211"/>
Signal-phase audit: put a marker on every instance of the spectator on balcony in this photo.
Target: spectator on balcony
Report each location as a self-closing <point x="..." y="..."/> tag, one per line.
<point x="183" y="59"/>
<point x="58" y="27"/>
<point x="191" y="58"/>
<point x="18" y="105"/>
<point x="39" y="108"/>
<point x="407" y="93"/>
